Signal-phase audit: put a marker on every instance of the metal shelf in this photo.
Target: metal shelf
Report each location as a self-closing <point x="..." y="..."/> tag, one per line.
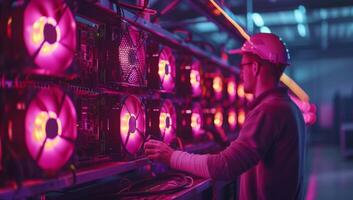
<point x="35" y="187"/>
<point x="39" y="186"/>
<point x="86" y="9"/>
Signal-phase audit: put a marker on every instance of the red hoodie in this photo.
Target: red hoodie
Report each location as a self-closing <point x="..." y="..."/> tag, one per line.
<point x="269" y="152"/>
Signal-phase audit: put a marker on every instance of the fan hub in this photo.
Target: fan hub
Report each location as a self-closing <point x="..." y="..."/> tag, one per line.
<point x="50" y="34"/>
<point x="132" y="124"/>
<point x="132" y="57"/>
<point x="166" y="69"/>
<point x="167" y="122"/>
<point x="51" y="128"/>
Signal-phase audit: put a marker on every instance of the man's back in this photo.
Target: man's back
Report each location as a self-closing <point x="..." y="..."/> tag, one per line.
<point x="279" y="174"/>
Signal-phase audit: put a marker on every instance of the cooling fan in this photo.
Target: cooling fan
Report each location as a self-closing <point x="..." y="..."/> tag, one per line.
<point x="195" y="78"/>
<point x="218" y="118"/>
<point x="231" y="89"/>
<point x="232" y="119"/>
<point x="43" y="130"/>
<point x="191" y="123"/>
<point x="167" y="122"/>
<point x="217" y="85"/>
<point x="50" y="129"/>
<point x="132" y="124"/>
<point x="196" y="120"/>
<point x="131" y="55"/>
<point x="241" y="116"/>
<point x="213" y="86"/>
<point x="47" y="30"/>
<point x="166" y="69"/>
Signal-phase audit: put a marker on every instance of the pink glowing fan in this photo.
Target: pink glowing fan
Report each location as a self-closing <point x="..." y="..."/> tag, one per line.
<point x="196" y="120"/>
<point x="232" y="89"/>
<point x="132" y="124"/>
<point x="132" y="57"/>
<point x="195" y="78"/>
<point x="217" y="85"/>
<point x="50" y="34"/>
<point x="167" y="122"/>
<point x="166" y="69"/>
<point x="50" y="129"/>
<point x="232" y="119"/>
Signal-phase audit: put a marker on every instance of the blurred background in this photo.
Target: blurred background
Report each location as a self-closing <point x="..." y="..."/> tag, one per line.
<point x="319" y="35"/>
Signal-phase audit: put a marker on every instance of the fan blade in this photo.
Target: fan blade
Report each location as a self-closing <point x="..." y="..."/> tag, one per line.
<point x="39" y="154"/>
<point x="67" y="139"/>
<point x="41" y="104"/>
<point x="127" y="139"/>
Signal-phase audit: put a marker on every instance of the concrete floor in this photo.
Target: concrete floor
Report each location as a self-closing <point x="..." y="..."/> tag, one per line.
<point x="330" y="176"/>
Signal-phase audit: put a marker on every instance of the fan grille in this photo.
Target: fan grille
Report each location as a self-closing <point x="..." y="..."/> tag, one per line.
<point x="132" y="57"/>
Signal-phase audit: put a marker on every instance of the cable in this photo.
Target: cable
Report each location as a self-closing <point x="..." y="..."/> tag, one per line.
<point x="179" y="182"/>
<point x="143" y="9"/>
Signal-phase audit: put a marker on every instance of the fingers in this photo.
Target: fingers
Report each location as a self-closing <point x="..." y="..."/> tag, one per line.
<point x="152" y="151"/>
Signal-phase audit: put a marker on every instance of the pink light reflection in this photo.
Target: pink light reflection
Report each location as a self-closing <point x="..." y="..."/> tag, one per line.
<point x="54" y="57"/>
<point x="132" y="113"/>
<point x="57" y="150"/>
<point x="195" y="78"/>
<point x="166" y="69"/>
<point x="196" y="120"/>
<point x="167" y="122"/>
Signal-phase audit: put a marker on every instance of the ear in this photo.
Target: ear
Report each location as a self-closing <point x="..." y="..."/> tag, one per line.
<point x="256" y="68"/>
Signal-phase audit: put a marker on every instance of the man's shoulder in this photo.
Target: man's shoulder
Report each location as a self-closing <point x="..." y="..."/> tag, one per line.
<point x="273" y="105"/>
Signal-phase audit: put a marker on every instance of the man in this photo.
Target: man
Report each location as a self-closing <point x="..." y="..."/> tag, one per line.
<point x="268" y="155"/>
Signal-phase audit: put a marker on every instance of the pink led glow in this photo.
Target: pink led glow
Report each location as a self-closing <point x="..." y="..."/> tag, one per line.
<point x="196" y="120"/>
<point x="218" y="118"/>
<point x="231" y="89"/>
<point x="241" y="117"/>
<point x="132" y="124"/>
<point x="50" y="128"/>
<point x="167" y="122"/>
<point x="132" y="57"/>
<point x="240" y="91"/>
<point x="217" y="85"/>
<point x="232" y="119"/>
<point x="50" y="29"/>
<point x="166" y="69"/>
<point x="195" y="78"/>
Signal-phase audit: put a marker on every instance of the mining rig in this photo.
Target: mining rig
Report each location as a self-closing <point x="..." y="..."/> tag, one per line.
<point x="85" y="85"/>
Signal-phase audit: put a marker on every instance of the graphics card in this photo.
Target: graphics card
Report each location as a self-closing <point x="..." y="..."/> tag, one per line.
<point x="41" y="129"/>
<point x="40" y="36"/>
<point x="89" y="39"/>
<point x="213" y="86"/>
<point x="125" y="126"/>
<point x="231" y="89"/>
<point x="126" y="60"/>
<point x="190" y="79"/>
<point x="191" y="122"/>
<point x="231" y="120"/>
<point x="161" y="68"/>
<point x="161" y="120"/>
<point x="90" y="145"/>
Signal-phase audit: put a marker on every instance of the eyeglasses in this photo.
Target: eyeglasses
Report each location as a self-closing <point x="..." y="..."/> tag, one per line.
<point x="241" y="65"/>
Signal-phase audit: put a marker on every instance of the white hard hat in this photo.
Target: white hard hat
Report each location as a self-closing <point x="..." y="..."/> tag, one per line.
<point x="267" y="46"/>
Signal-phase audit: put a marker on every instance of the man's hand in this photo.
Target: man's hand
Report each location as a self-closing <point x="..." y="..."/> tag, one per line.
<point x="159" y="151"/>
